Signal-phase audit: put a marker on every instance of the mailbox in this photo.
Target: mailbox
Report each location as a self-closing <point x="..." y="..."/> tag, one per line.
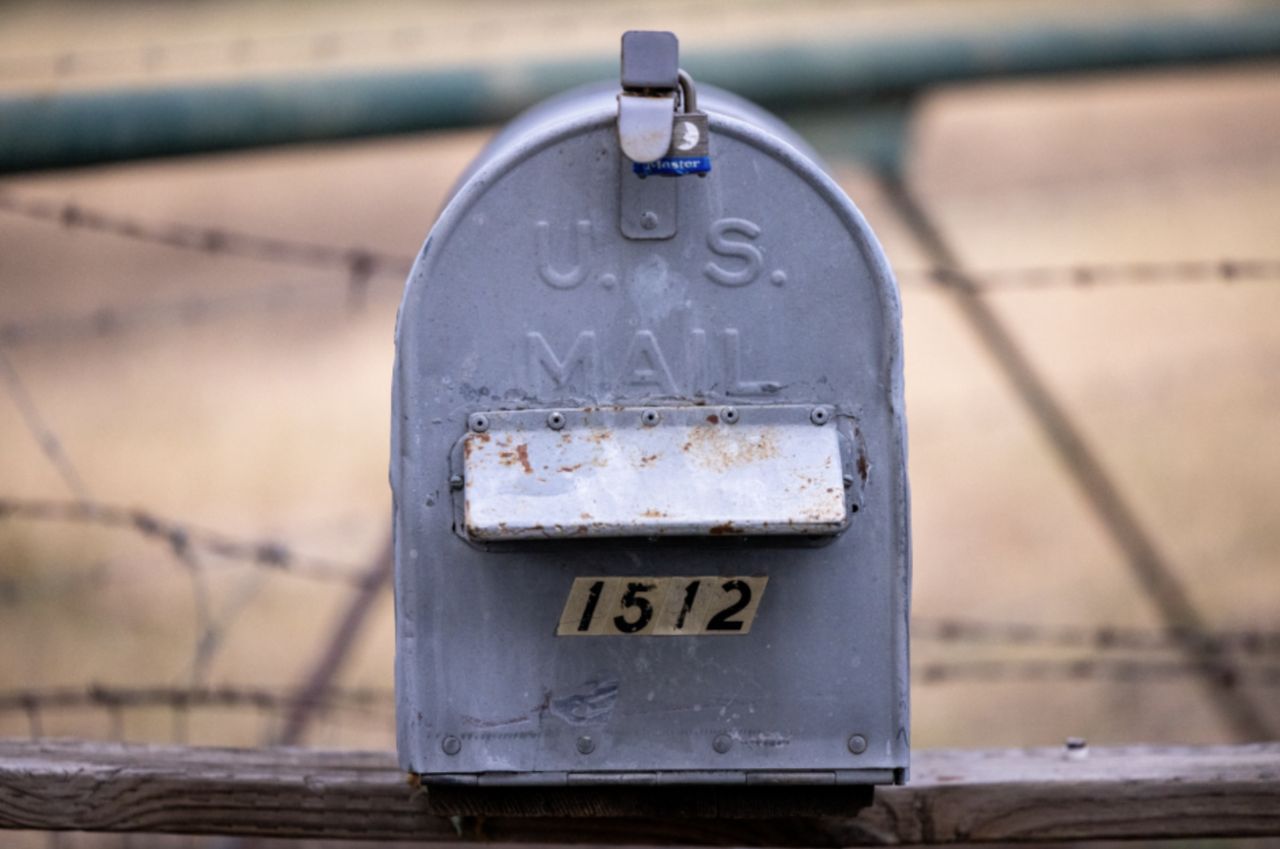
<point x="649" y="457"/>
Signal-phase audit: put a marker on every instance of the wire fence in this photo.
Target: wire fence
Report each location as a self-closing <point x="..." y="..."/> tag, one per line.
<point x="362" y="265"/>
<point x="181" y="538"/>
<point x="37" y="704"/>
<point x="1221" y="660"/>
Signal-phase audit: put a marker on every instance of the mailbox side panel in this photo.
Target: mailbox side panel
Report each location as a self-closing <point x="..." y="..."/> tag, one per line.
<point x="526" y="296"/>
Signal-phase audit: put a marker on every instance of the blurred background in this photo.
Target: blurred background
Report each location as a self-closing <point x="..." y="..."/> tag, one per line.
<point x="196" y="349"/>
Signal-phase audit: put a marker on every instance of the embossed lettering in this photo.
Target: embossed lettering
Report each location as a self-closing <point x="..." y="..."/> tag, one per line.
<point x="720" y="243"/>
<point x="697" y="362"/>
<point x="581" y="363"/>
<point x="577" y="272"/>
<point x="733" y="382"/>
<point x="645" y="365"/>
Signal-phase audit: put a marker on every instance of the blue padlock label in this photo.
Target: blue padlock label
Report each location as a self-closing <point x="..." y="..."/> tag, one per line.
<point x="673" y="166"/>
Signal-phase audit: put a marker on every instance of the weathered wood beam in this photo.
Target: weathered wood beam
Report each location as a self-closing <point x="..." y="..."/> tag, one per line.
<point x="955" y="796"/>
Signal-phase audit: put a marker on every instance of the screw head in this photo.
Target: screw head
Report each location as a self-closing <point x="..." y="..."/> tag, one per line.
<point x="478" y="422"/>
<point x="455" y="482"/>
<point x="857" y="744"/>
<point x="729" y="414"/>
<point x="586" y="745"/>
<point x="648" y="220"/>
<point x="819" y="415"/>
<point x="555" y="420"/>
<point x="650" y="417"/>
<point x="722" y="743"/>
<point x="451" y="745"/>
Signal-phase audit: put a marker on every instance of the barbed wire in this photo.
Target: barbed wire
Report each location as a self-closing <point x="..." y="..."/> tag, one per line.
<point x="180" y="701"/>
<point x="364" y="262"/>
<point x="1092" y="669"/>
<point x="34" y="700"/>
<point x="195" y="310"/>
<point x="187" y="312"/>
<point x="181" y="538"/>
<point x="178" y="698"/>
<point x="360" y="262"/>
<point x="1101" y="638"/>
<point x="1086" y="275"/>
<point x="44" y="435"/>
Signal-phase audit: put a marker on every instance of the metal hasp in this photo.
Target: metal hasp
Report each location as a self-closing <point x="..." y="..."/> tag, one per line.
<point x="651" y="504"/>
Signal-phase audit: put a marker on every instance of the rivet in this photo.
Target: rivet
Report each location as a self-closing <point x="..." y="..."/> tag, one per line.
<point x="819" y="415"/>
<point x="648" y="220"/>
<point x="479" y="422"/>
<point x="722" y="743"/>
<point x="608" y="281"/>
<point x="650" y="417"/>
<point x="455" y="482"/>
<point x="778" y="277"/>
<point x="451" y="745"/>
<point x="729" y="414"/>
<point x="857" y="744"/>
<point x="586" y="745"/>
<point x="555" y="420"/>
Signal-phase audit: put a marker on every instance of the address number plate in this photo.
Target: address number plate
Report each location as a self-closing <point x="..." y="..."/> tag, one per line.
<point x="665" y="607"/>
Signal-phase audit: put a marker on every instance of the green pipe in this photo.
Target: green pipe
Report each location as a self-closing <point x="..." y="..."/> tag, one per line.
<point x="63" y="130"/>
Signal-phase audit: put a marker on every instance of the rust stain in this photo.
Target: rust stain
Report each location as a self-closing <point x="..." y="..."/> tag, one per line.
<point x="863" y="466"/>
<point x="722" y="529"/>
<point x="519" y="455"/>
<point x="651" y="513"/>
<point x="713" y="418"/>
<point x="586" y="516"/>
<point x="482" y="437"/>
<point x="647" y="459"/>
<point x="566" y="437"/>
<point x="568" y="470"/>
<point x="716" y="448"/>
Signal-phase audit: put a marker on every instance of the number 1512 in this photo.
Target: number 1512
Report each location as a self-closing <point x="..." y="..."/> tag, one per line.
<point x="661" y="606"/>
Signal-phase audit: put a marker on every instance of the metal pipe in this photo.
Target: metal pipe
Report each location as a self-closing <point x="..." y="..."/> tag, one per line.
<point x="62" y="130"/>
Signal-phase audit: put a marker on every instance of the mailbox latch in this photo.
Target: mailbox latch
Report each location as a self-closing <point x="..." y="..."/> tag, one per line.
<point x="650" y="78"/>
<point x="661" y="134"/>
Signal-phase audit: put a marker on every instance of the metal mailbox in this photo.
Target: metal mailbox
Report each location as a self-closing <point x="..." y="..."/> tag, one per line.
<point x="649" y="457"/>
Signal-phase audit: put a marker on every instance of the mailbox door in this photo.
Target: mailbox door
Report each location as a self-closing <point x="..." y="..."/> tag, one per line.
<point x="769" y="299"/>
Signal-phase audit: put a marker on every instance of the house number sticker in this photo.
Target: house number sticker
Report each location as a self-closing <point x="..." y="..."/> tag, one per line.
<point x="664" y="607"/>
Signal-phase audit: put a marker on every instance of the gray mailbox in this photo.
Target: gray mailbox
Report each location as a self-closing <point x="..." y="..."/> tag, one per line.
<point x="649" y="459"/>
